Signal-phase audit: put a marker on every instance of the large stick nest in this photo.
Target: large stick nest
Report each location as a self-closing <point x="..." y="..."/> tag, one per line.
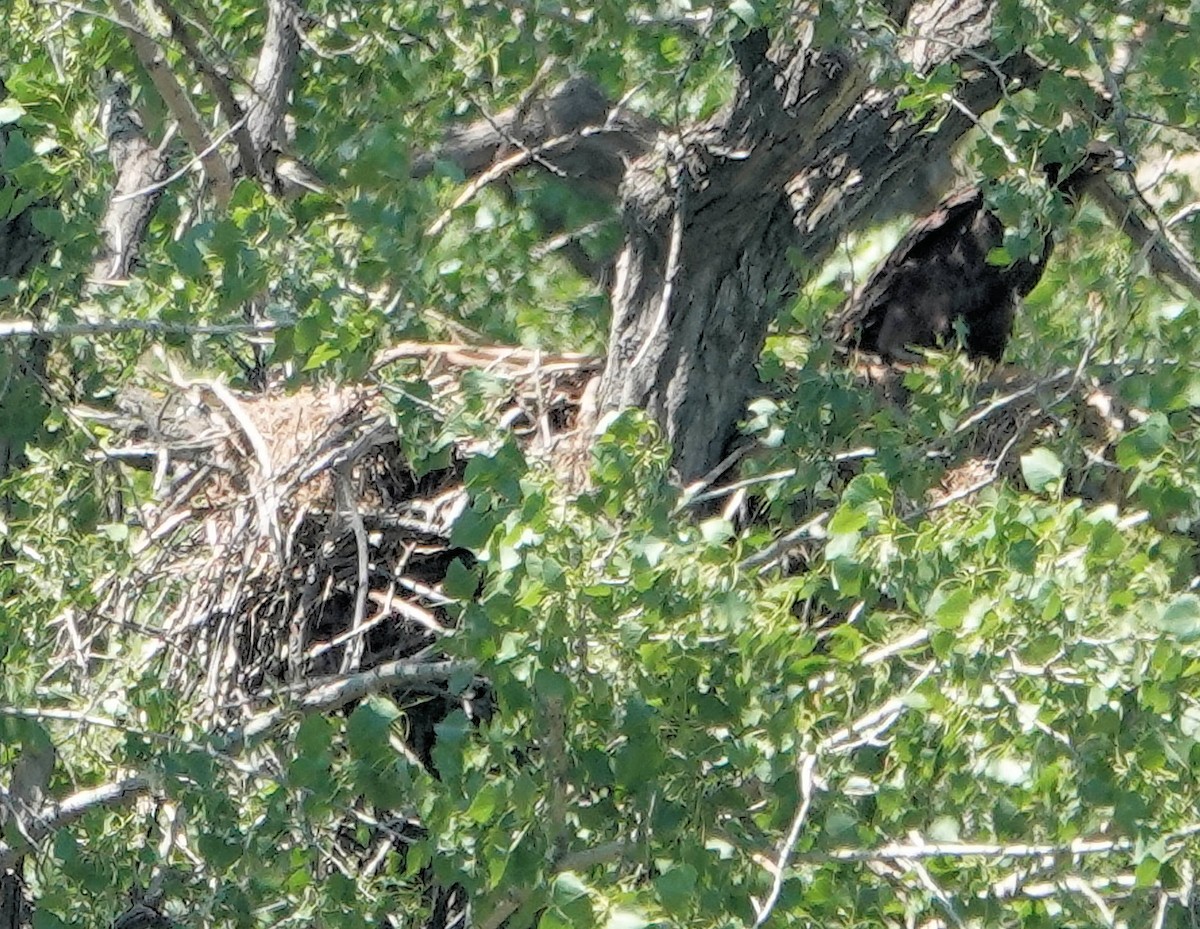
<point x="289" y="534"/>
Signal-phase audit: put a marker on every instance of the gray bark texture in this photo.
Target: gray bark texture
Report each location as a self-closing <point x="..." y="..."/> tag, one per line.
<point x="139" y="166"/>
<point x="716" y="218"/>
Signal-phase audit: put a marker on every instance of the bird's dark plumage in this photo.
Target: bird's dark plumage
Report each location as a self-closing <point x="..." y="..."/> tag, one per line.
<point x="939" y="274"/>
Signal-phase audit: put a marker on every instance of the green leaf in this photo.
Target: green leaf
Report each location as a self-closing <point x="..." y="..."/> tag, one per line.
<point x="1181" y="618"/>
<point x="370" y="725"/>
<point x="1040" y="468"/>
<point x="626" y="919"/>
<point x="567" y="888"/>
<point x="461" y="582"/>
<point x="1146" y="873"/>
<point x="949" y="608"/>
<point x="746" y="11"/>
<point x="676" y="888"/>
<point x="322" y="355"/>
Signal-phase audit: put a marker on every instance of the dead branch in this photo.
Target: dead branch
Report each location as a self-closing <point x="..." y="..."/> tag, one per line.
<point x="177" y="100"/>
<point x="218" y="83"/>
<point x="1165" y="257"/>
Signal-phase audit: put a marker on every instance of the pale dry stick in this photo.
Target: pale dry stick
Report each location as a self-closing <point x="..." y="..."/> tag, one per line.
<point x="1012" y="697"/>
<point x="806" y="775"/>
<point x="868" y="728"/>
<point x="935" y="890"/>
<point x="266" y="494"/>
<point x="1009" y="154"/>
<point x="897" y="850"/>
<point x="1084" y="889"/>
<point x="520" y="112"/>
<point x="352" y="656"/>
<point x="692" y="491"/>
<point x="176" y="175"/>
<point x="150" y="53"/>
<point x="553" y="244"/>
<point x="1160" y="912"/>
<point x="503" y="167"/>
<point x="865" y="452"/>
<point x="1001" y="402"/>
<point x="674" y="247"/>
<point x="27" y="327"/>
<point x="905" y="642"/>
<point x="424" y="590"/>
<point x="461" y="353"/>
<point x="389" y="605"/>
<point x="764" y="560"/>
<point x="962" y="494"/>
<point x="1014" y="884"/>
<point x="1123" y="525"/>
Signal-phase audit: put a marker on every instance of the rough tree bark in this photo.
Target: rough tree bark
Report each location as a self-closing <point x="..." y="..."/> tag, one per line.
<point x="139" y="166"/>
<point x="810" y="149"/>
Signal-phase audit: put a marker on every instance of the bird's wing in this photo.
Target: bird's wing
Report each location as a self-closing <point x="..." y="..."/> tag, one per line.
<point x="947" y="222"/>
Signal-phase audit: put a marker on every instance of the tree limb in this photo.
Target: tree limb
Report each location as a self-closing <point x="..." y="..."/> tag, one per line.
<point x="1165" y="257"/>
<point x="191" y="127"/>
<point x="139" y="166"/>
<point x="274" y="75"/>
<point x="61" y="813"/>
<point x="217" y="82"/>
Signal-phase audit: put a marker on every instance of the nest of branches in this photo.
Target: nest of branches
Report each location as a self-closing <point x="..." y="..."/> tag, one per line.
<point x="290" y="537"/>
<point x="1082" y="416"/>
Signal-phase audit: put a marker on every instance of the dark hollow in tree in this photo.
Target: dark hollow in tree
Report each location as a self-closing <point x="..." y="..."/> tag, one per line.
<point x="939" y="274"/>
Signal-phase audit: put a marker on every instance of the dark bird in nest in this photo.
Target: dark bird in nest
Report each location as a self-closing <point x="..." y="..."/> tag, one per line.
<point x="939" y="274"/>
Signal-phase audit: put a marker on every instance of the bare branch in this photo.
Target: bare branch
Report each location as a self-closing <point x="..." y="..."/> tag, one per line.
<point x="61" y="813"/>
<point x="218" y="83"/>
<point x="14" y="328"/>
<point x="807" y="767"/>
<point x="1165" y="258"/>
<point x="178" y="101"/>
<point x="325" y="694"/>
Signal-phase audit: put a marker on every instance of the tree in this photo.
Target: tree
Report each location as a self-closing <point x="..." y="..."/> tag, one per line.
<point x="792" y="653"/>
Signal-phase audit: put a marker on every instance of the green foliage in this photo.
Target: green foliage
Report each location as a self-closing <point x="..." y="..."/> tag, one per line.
<point x="1000" y="676"/>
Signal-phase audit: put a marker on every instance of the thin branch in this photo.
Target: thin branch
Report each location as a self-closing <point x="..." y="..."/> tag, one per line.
<point x="325" y="694"/>
<point x="764" y="560"/>
<point x="15" y="328"/>
<point x="199" y="158"/>
<point x="506" y="166"/>
<point x="1165" y="257"/>
<point x="218" y="83"/>
<point x="807" y="768"/>
<point x="54" y="816"/>
<point x="992" y="850"/>
<point x="177" y="100"/>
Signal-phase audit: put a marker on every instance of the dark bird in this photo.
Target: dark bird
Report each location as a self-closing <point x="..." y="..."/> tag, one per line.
<point x="939" y="274"/>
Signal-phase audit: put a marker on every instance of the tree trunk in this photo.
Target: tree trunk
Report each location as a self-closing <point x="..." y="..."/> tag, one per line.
<point x="809" y="150"/>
